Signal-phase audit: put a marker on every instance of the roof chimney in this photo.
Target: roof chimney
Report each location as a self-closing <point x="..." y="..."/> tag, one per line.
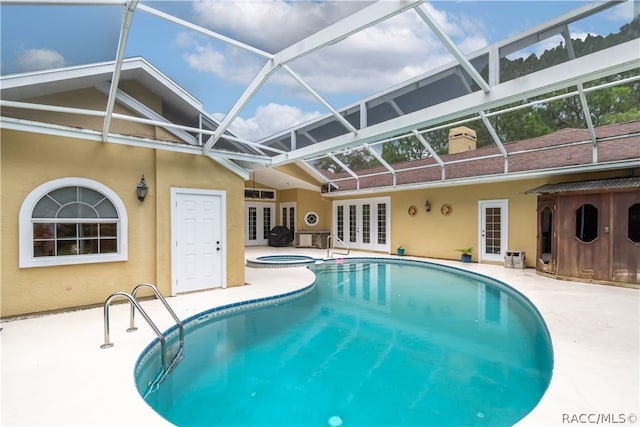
<point x="461" y="139"/>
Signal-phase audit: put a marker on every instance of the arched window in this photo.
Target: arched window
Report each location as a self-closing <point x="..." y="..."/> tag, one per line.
<point x="72" y="221"/>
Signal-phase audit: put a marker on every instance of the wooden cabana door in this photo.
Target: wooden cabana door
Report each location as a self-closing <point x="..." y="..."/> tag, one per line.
<point x="584" y="236"/>
<point x="547" y="253"/>
<point x="626" y="237"/>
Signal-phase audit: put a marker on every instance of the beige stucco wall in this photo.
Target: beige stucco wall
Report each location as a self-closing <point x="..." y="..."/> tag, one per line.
<point x="433" y="234"/>
<point x="310" y="201"/>
<point x="29" y="160"/>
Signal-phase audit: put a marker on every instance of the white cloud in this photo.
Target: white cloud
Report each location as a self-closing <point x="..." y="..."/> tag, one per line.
<point x="230" y="63"/>
<point x="269" y="119"/>
<point x="271" y="24"/>
<point x="40" y="59"/>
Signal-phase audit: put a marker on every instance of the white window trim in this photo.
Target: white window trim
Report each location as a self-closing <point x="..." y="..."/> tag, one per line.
<point x="25" y="226"/>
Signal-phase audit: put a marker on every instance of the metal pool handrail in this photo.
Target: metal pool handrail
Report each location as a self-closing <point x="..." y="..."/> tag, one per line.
<point x="336" y="238"/>
<point x="132" y="300"/>
<point x="155" y="290"/>
<point x="166" y="367"/>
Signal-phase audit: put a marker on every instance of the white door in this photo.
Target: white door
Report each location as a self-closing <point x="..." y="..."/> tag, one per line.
<point x="260" y="218"/>
<point x="493" y="227"/>
<point x="363" y="223"/>
<point x="198" y="231"/>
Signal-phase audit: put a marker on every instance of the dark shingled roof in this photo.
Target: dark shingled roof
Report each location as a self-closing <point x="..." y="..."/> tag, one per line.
<point x="568" y="147"/>
<point x="601" y="184"/>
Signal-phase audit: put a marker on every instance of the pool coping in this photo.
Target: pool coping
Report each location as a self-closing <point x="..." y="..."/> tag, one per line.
<point x="54" y="363"/>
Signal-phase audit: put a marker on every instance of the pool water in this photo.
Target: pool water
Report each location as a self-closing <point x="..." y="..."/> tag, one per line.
<point x="373" y="343"/>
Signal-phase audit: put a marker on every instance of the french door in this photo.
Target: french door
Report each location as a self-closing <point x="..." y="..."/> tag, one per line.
<point x="363" y="223"/>
<point x="493" y="230"/>
<point x="288" y="215"/>
<point x="260" y="218"/>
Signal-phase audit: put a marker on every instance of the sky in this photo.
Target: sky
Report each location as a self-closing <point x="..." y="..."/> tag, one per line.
<point x="217" y="73"/>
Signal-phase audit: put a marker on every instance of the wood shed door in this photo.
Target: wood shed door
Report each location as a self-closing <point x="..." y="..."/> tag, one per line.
<point x="584" y="236"/>
<point x="547" y="252"/>
<point x="626" y="237"/>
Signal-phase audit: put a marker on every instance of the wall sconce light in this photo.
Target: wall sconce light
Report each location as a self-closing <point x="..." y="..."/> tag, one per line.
<point x="142" y="189"/>
<point x="427" y="206"/>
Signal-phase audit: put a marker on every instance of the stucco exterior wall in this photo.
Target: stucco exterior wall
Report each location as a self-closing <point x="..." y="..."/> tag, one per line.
<point x="312" y="201"/>
<point x="29" y="160"/>
<point x="435" y="235"/>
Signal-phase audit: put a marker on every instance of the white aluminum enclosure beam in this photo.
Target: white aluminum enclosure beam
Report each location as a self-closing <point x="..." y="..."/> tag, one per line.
<point x="67" y="2"/>
<point x="616" y="59"/>
<point x="52" y="108"/>
<point x="135" y="105"/>
<point x="204" y="31"/>
<point x="457" y="53"/>
<point x="360" y="20"/>
<point x="491" y="179"/>
<point x="382" y="161"/>
<point x="320" y="99"/>
<point x="583" y="99"/>
<point x="552" y="27"/>
<point x="304" y="164"/>
<point x="258" y="81"/>
<point x="496" y="139"/>
<point x="432" y="152"/>
<point x="518" y="41"/>
<point x="94" y="135"/>
<point x="346" y="169"/>
<point x="147" y="121"/>
<point x="233" y="167"/>
<point x="117" y="68"/>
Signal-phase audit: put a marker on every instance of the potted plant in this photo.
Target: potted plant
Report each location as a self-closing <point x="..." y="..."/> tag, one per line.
<point x="466" y="254"/>
<point x="400" y="250"/>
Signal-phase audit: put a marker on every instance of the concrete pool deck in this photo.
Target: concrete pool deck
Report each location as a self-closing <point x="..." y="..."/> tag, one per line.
<point x="54" y="373"/>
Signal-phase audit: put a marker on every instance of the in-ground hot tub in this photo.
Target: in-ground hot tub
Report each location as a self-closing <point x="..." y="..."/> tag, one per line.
<point x="277" y="261"/>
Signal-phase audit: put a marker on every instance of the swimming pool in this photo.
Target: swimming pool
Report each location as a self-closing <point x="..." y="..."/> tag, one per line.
<point x="372" y="342"/>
